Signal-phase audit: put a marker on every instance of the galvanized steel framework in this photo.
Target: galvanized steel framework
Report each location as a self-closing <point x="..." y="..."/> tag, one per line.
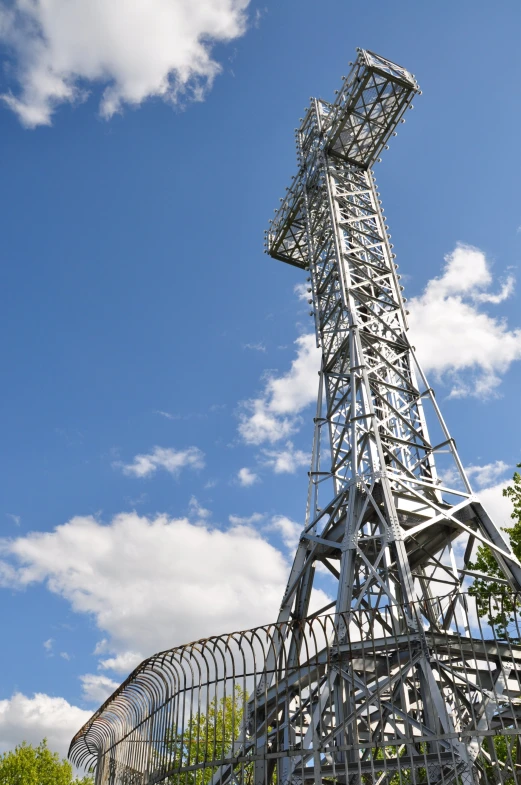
<point x="152" y="729"/>
<point x="398" y="696"/>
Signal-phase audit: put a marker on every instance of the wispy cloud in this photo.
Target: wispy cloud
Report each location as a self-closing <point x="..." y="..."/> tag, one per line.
<point x="135" y="501"/>
<point x="16" y="519"/>
<point x="303" y="291"/>
<point x="248" y="520"/>
<point x="288" y="530"/>
<point x="488" y="474"/>
<point x="197" y="510"/>
<point x="167" y="458"/>
<point x="256" y="347"/>
<point x="259" y="13"/>
<point x="167" y="415"/>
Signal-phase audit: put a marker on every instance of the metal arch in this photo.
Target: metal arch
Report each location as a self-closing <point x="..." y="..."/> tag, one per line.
<point x="114" y="710"/>
<point x="170" y="664"/>
<point x="173" y="668"/>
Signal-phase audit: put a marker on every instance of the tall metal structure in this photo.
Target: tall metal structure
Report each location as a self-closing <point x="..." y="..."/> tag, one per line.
<point x="392" y="525"/>
<point x="391" y="522"/>
<point x="397" y="684"/>
<point x="395" y="530"/>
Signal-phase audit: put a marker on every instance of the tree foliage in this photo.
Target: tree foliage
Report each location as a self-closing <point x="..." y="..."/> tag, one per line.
<point x="494" y="599"/>
<point x="28" y="765"/>
<point x="207" y="737"/>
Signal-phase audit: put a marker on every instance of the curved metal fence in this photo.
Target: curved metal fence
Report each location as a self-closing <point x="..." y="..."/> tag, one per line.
<point x="333" y="699"/>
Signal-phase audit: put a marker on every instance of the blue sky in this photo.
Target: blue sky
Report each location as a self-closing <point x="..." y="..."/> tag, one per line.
<point x="141" y="326"/>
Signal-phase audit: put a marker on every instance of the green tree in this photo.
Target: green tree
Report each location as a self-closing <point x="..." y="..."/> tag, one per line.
<point x="504" y="750"/>
<point x="493" y="598"/>
<point x="208" y="737"/>
<point x="496" y="600"/>
<point x="27" y="765"/>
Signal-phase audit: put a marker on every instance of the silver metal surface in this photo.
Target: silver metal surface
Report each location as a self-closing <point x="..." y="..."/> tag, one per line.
<point x="397" y="686"/>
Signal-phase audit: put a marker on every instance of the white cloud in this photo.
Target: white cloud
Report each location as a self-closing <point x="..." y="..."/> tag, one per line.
<point x="197" y="510"/>
<point x="48" y="644"/>
<point x="246" y="477"/>
<point x="16" y="519"/>
<point x="32" y="719"/>
<point x="167" y="415"/>
<point x="480" y="476"/>
<point x="455" y="338"/>
<point x="97" y="688"/>
<point x="163" y="458"/>
<point x="498" y="506"/>
<point x="140" y="499"/>
<point x="122" y="663"/>
<point x="504" y="293"/>
<point x="65" y="656"/>
<point x="7" y="574"/>
<point x="287" y="460"/>
<point x="256" y="347"/>
<point x="274" y="415"/>
<point x="488" y="474"/>
<point x="102" y="647"/>
<point x="134" y="49"/>
<point x="150" y="584"/>
<point x="258" y="424"/>
<point x="301" y="290"/>
<point x="237" y="520"/>
<point x="288" y="530"/>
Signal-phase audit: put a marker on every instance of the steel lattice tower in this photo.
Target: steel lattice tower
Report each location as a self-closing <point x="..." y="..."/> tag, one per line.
<point x="391" y="531"/>
<point x="397" y="681"/>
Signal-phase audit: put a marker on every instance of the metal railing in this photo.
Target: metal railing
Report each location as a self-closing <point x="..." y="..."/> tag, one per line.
<point x="332" y="699"/>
